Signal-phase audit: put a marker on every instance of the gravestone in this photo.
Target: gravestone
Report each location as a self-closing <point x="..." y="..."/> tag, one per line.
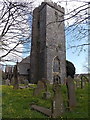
<point x="39" y="88"/>
<point x="71" y="93"/>
<point x="7" y="82"/>
<point x="45" y="82"/>
<point x="78" y="83"/>
<point x="83" y="82"/>
<point x="43" y="110"/>
<point x="46" y="94"/>
<point x="25" y="81"/>
<point x="57" y="103"/>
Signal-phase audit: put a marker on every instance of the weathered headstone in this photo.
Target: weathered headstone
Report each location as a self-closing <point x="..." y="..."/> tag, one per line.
<point x="71" y="93"/>
<point x="40" y="87"/>
<point x="25" y="81"/>
<point x="7" y="82"/>
<point x="83" y="81"/>
<point x="75" y="82"/>
<point x="45" y="82"/>
<point x="78" y="83"/>
<point x="46" y="94"/>
<point x="57" y="103"/>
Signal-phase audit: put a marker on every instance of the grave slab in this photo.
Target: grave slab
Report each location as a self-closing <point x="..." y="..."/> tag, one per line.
<point x="23" y="87"/>
<point x="43" y="110"/>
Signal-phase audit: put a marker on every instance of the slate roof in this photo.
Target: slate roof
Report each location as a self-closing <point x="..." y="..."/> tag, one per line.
<point x="24" y="65"/>
<point x="25" y="60"/>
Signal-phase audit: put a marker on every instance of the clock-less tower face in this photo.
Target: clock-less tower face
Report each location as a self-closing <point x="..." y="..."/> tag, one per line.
<point x="55" y="44"/>
<point x="49" y="43"/>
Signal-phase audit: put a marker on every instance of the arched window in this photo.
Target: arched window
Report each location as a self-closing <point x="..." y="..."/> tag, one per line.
<point x="56" y="65"/>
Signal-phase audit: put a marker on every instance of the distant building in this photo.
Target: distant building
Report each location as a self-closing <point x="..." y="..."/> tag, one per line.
<point x="23" y="69"/>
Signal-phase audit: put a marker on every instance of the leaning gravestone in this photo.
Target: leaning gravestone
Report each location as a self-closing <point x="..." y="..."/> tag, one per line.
<point x="71" y="93"/>
<point x="40" y="87"/>
<point x="57" y="103"/>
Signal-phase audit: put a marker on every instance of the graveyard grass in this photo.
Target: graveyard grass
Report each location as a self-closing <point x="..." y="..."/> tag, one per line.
<point x="16" y="103"/>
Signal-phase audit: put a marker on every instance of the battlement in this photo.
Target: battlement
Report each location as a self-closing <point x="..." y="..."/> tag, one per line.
<point x="53" y="5"/>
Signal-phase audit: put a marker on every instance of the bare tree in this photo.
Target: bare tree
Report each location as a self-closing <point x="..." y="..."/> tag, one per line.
<point x="77" y="25"/>
<point x="15" y="27"/>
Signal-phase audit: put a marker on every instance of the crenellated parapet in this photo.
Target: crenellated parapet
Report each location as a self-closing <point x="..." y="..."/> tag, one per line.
<point x="53" y="5"/>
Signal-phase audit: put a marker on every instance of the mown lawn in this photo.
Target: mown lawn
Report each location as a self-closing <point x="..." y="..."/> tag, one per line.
<point x="16" y="103"/>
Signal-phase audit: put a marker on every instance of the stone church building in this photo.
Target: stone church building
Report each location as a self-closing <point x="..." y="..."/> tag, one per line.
<point x="48" y="53"/>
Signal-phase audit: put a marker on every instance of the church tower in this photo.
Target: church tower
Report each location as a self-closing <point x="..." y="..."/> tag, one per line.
<point x="48" y="55"/>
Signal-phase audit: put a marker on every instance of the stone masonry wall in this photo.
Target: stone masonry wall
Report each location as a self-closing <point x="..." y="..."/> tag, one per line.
<point x="34" y="64"/>
<point x="48" y="42"/>
<point x="55" y="38"/>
